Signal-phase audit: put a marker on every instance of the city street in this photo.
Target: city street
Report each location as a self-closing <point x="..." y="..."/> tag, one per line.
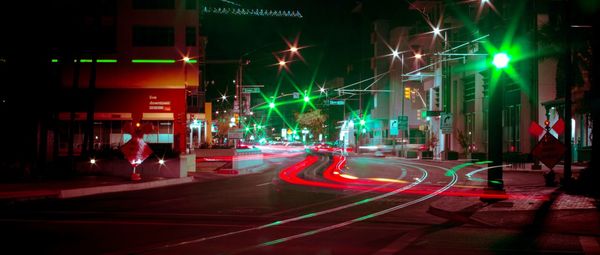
<point x="300" y="127"/>
<point x="251" y="214"/>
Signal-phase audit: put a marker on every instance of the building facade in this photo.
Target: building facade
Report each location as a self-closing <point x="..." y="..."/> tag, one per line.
<point x="138" y="62"/>
<point x="454" y="73"/>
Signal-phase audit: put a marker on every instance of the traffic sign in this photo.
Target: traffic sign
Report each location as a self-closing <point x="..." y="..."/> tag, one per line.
<point x="549" y="150"/>
<point x="296" y="95"/>
<point x="136" y="151"/>
<point x="336" y="102"/>
<point x="403" y="122"/>
<point x="393" y="127"/>
<point x="235" y="133"/>
<point x="251" y="90"/>
<point x="446" y="123"/>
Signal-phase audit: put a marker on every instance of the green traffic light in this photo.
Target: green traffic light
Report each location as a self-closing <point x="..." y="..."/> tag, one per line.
<point x="362" y="122"/>
<point x="501" y="60"/>
<point x="271" y="105"/>
<point x="306" y="98"/>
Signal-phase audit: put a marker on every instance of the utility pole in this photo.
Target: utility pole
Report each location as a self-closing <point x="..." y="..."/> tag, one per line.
<point x="402" y="113"/>
<point x="568" y="58"/>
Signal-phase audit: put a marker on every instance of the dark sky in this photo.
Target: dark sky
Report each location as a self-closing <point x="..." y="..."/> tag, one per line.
<point x="335" y="33"/>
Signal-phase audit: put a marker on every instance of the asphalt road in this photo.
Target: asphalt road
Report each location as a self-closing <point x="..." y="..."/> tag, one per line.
<point x="252" y="214"/>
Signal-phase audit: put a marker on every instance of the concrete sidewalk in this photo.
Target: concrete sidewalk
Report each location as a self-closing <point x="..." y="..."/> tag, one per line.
<point x="92" y="185"/>
<point x="80" y="186"/>
<point x="528" y="201"/>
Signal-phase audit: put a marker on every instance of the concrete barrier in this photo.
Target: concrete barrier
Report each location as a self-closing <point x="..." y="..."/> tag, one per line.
<point x="240" y="159"/>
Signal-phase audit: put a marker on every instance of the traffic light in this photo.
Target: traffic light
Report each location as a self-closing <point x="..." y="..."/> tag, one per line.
<point x="436" y="97"/>
<point x="501" y="60"/>
<point x="407" y="92"/>
<point x="271" y="105"/>
<point x="419" y="114"/>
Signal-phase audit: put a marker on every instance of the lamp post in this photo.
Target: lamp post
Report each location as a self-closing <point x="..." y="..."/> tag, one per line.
<point x="402" y="111"/>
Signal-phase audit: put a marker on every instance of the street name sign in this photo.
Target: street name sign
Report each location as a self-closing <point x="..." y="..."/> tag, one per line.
<point x="336" y="102"/>
<point x="251" y="90"/>
<point x="403" y="122"/>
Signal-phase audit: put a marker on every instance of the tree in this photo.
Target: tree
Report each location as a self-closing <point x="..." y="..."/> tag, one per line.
<point x="223" y="125"/>
<point x="552" y="46"/>
<point x="463" y="140"/>
<point x="312" y="120"/>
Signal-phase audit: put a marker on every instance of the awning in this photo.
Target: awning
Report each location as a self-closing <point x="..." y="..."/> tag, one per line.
<point x="157" y="116"/>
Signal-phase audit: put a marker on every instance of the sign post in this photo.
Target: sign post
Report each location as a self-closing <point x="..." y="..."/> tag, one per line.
<point x="136" y="150"/>
<point x="394" y="134"/>
<point x="549" y="150"/>
<point x="402" y="126"/>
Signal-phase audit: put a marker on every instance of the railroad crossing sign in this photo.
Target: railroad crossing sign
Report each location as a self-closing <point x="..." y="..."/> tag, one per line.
<point x="549" y="150"/>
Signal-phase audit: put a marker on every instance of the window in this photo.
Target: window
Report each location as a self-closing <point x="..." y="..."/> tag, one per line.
<point x="190" y="36"/>
<point x="153" y="36"/>
<point x="153" y="4"/>
<point x="190" y="4"/>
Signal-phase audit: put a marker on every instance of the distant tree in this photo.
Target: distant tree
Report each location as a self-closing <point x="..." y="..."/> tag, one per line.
<point x="223" y="126"/>
<point x="313" y="120"/>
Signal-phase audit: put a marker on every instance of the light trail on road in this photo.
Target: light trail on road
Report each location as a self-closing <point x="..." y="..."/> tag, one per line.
<point x="365" y="217"/>
<point x="307" y="162"/>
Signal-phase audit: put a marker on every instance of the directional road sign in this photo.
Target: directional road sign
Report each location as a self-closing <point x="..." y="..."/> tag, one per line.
<point x="393" y="127"/>
<point x="446" y="123"/>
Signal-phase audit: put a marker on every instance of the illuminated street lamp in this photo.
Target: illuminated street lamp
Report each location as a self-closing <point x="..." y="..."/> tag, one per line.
<point x="501" y="60"/>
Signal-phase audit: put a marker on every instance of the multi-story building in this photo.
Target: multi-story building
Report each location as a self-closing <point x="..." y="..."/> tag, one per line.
<point x="134" y="62"/>
<point x="454" y="75"/>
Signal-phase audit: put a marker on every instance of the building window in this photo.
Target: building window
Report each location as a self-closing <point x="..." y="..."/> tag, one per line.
<point x="190" y="4"/>
<point x="153" y="4"/>
<point x="190" y="36"/>
<point x="469" y="88"/>
<point x="511" y="122"/>
<point x="153" y="36"/>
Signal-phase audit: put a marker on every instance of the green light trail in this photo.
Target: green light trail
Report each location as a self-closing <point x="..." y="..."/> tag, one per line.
<point x="153" y="61"/>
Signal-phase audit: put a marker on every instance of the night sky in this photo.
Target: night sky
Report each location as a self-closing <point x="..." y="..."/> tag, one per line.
<point x="335" y="33"/>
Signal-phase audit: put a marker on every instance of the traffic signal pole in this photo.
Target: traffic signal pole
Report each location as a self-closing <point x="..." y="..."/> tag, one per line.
<point x="496" y="96"/>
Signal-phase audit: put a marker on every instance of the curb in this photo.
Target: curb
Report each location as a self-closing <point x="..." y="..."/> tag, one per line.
<point x="80" y="192"/>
